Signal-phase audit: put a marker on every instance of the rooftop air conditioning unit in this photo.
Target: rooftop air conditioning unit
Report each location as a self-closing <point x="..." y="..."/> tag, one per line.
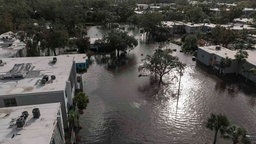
<point x="20" y="122"/>
<point x="54" y="60"/>
<point x="36" y="113"/>
<point x="25" y="114"/>
<point x="218" y="48"/>
<point x="53" y="77"/>
<point x="46" y="77"/>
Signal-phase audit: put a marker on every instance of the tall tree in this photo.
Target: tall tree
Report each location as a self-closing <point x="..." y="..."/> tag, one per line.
<point x="240" y="58"/>
<point x="56" y="39"/>
<point x="217" y="123"/>
<point x="224" y="63"/>
<point x="149" y="21"/>
<point x="160" y="64"/>
<point x="190" y="43"/>
<point x="119" y="41"/>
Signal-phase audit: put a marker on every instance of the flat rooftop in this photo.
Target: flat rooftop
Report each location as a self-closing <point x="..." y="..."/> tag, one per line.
<point x="78" y="58"/>
<point x="33" y="69"/>
<point x="11" y="51"/>
<point x="224" y="52"/>
<point x="189" y="24"/>
<point x="172" y="23"/>
<point x="243" y="20"/>
<point x="35" y="131"/>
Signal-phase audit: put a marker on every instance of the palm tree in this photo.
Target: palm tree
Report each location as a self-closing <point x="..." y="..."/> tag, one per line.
<point x="250" y="71"/>
<point x="237" y="135"/>
<point x="240" y="58"/>
<point x="224" y="63"/>
<point x="217" y="123"/>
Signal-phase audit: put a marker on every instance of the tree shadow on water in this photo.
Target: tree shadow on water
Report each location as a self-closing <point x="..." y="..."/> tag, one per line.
<point x="114" y="64"/>
<point x="154" y="92"/>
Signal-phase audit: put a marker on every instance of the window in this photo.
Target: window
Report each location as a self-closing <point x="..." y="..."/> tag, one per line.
<point x="10" y="102"/>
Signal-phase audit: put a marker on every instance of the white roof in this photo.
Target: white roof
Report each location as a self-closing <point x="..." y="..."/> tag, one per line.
<point x="215" y="9"/>
<point x="224" y="52"/>
<point x="35" y="131"/>
<point x="244" y="20"/>
<point x="172" y="23"/>
<point x="155" y="7"/>
<point x="251" y="57"/>
<point x="93" y="40"/>
<point x="194" y="24"/>
<point x="211" y="25"/>
<point x="138" y="12"/>
<point x="242" y="27"/>
<point x="41" y="66"/>
<point x="7" y="52"/>
<point x="227" y="4"/>
<point x="249" y="9"/>
<point x="7" y="34"/>
<point x="78" y="58"/>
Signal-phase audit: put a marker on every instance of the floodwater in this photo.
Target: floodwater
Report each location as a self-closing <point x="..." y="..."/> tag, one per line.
<point x="124" y="109"/>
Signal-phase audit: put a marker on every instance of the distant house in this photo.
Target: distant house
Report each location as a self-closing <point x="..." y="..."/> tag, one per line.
<point x="248" y="21"/>
<point x="176" y="27"/>
<point x="32" y="124"/>
<point x="193" y="28"/>
<point x="249" y="11"/>
<point x="10" y="46"/>
<point x="142" y="7"/>
<point x="94" y="46"/>
<point x="211" y="56"/>
<point x="215" y="11"/>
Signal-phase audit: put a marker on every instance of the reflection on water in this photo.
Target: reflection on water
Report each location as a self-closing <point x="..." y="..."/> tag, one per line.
<point x="120" y="112"/>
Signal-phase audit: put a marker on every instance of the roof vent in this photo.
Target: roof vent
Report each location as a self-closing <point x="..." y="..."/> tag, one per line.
<point x="25" y="114"/>
<point x="54" y="60"/>
<point x="218" y="48"/>
<point x="53" y="77"/>
<point x="36" y="113"/>
<point x="45" y="79"/>
<point x="2" y="63"/>
<point x="20" y="122"/>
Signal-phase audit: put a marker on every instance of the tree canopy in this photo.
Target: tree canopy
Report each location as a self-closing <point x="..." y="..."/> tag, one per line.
<point x="217" y="123"/>
<point x="120" y="41"/>
<point x="160" y="64"/>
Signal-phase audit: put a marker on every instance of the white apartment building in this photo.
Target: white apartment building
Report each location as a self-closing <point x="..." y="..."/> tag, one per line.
<point x="212" y="55"/>
<point x="38" y="80"/>
<point x="32" y="124"/>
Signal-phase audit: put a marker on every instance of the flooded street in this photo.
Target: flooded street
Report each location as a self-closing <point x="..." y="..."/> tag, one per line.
<point x="121" y="111"/>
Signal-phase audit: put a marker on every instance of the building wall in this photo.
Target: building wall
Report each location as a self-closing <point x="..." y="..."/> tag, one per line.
<point x="57" y="137"/>
<point x="41" y="98"/>
<point x="203" y="57"/>
<point x="212" y="59"/>
<point x="247" y="66"/>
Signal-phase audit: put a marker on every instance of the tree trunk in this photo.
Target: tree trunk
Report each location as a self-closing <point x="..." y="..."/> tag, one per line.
<point x="160" y="80"/>
<point x="179" y="85"/>
<point x="118" y="53"/>
<point x="49" y="52"/>
<point x="215" y="137"/>
<point x="54" y="52"/>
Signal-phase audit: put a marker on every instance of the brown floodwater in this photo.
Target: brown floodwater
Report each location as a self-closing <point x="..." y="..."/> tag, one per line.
<point x="125" y="109"/>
